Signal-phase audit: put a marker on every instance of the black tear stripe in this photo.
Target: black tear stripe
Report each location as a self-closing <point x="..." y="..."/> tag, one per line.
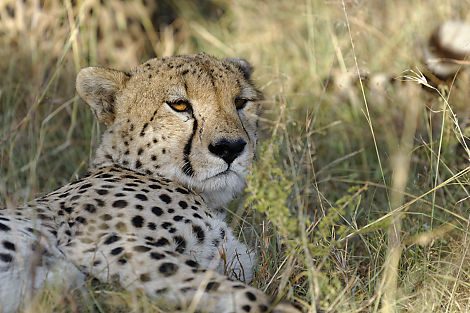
<point x="244" y="129"/>
<point x="187" y="168"/>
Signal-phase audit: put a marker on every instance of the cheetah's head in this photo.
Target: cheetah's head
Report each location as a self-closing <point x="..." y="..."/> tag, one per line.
<point x="192" y="119"/>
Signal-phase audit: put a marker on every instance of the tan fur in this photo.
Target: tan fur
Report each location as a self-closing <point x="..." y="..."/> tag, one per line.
<point x="140" y="98"/>
<point x="181" y="135"/>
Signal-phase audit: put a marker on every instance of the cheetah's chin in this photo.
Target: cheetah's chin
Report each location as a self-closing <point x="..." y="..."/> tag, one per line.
<point x="219" y="189"/>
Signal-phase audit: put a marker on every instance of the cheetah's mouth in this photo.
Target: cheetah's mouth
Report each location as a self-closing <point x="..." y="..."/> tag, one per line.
<point x="228" y="171"/>
<point x="223" y="175"/>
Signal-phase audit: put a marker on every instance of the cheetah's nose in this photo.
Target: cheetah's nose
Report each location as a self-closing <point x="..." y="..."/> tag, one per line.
<point x="227" y="150"/>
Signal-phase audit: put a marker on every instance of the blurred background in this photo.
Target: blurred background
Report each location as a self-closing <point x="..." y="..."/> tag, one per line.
<point x="360" y="199"/>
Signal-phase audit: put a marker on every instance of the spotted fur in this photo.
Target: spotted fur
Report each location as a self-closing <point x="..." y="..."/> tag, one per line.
<point x="181" y="134"/>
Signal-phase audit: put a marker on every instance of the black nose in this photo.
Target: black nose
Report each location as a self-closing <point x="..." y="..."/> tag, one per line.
<point x="227" y="150"/>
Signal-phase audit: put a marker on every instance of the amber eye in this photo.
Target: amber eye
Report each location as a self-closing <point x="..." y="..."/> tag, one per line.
<point x="180" y="106"/>
<point x="240" y="103"/>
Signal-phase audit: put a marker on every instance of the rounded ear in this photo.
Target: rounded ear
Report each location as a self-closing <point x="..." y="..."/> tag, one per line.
<point x="98" y="87"/>
<point x="244" y="66"/>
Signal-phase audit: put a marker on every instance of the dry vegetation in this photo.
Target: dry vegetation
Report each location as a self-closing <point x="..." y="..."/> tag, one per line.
<point x="365" y="193"/>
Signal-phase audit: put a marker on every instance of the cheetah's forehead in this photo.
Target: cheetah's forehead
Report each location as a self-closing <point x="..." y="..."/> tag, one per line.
<point x="195" y="62"/>
<point x="198" y="66"/>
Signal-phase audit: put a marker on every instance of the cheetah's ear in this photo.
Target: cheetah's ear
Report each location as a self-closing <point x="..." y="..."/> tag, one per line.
<point x="98" y="87"/>
<point x="243" y="65"/>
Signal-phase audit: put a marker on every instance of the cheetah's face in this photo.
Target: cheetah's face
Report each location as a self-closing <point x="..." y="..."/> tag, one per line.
<point x="192" y="119"/>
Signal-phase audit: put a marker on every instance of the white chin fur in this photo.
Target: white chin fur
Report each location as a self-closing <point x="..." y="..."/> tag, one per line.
<point x="217" y="191"/>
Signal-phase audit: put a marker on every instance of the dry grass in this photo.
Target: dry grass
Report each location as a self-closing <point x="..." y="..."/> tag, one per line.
<point x="372" y="202"/>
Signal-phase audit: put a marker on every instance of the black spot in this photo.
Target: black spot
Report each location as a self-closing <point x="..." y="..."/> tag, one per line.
<point x="99" y="176"/>
<point x="101" y="192"/>
<point x="184" y="72"/>
<point x="141" y="197"/>
<point x="195" y="208"/>
<point x="144" y="277"/>
<point x="167" y="225"/>
<point x="138" y="207"/>
<point x="177" y="218"/>
<point x="122" y="261"/>
<point x="168" y="269"/>
<point x="7" y="258"/>
<point x="180" y="244"/>
<point x="142" y="133"/>
<point x="157" y="211"/>
<point x="9" y="245"/>
<point x="90" y="208"/>
<point x="212" y="286"/>
<point x="160" y="291"/>
<point x="171" y="210"/>
<point x="192" y="263"/>
<point x="137" y="221"/>
<point x="165" y="198"/>
<point x="161" y="242"/>
<point x="155" y="187"/>
<point x="183" y="191"/>
<point x="96" y="263"/>
<point x="142" y="248"/>
<point x="199" y="233"/>
<point x="263" y="308"/>
<point x="157" y="256"/>
<point x="120" y="204"/>
<point x="197" y="216"/>
<point x="183" y="204"/>
<point x="99" y="202"/>
<point x="139" y="152"/>
<point x="116" y="251"/>
<point x="106" y="217"/>
<point x="85" y="186"/>
<point x="153" y="157"/>
<point x="4" y="227"/>
<point x="111" y="239"/>
<point x="152" y="226"/>
<point x="81" y="220"/>
<point x="250" y="296"/>
<point x="246" y="308"/>
<point x="138" y="164"/>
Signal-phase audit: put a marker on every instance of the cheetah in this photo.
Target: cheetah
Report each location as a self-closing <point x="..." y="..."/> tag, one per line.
<point x="180" y="136"/>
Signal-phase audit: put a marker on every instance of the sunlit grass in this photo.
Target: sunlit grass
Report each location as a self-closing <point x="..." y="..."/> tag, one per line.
<point x="373" y="183"/>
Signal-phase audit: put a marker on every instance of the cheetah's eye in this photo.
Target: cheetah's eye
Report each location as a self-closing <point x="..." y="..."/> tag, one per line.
<point x="180" y="105"/>
<point x="240" y="103"/>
